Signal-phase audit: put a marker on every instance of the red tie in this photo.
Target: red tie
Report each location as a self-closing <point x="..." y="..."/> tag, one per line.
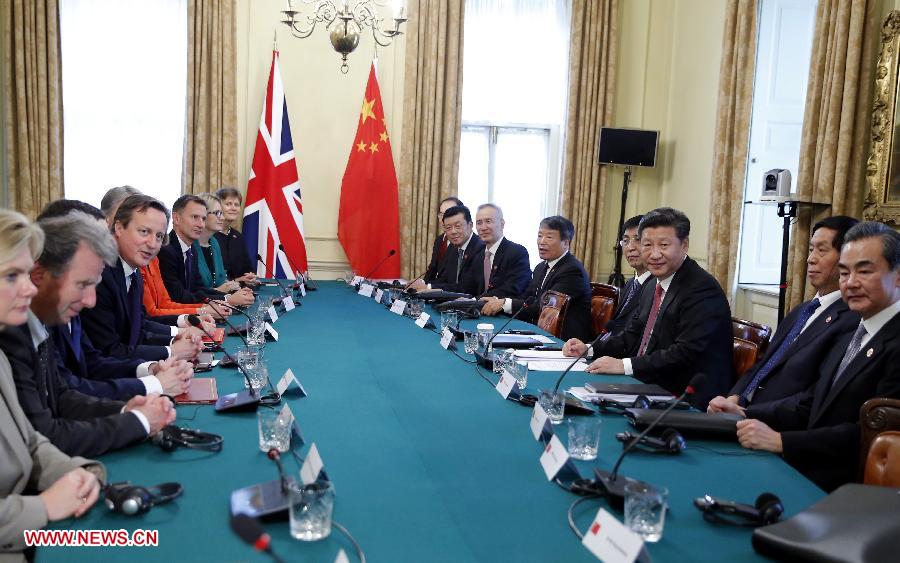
<point x="442" y="249"/>
<point x="651" y="320"/>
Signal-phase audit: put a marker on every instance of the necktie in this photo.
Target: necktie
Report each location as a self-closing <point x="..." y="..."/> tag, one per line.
<point x="651" y="320"/>
<point x="852" y="351"/>
<point x="779" y="352"/>
<point x="75" y="333"/>
<point x="546" y="275"/>
<point x="630" y="291"/>
<point x="188" y="267"/>
<point x="135" y="298"/>
<point x="461" y="254"/>
<point x="487" y="269"/>
<point x="442" y="249"/>
<point x="43" y="371"/>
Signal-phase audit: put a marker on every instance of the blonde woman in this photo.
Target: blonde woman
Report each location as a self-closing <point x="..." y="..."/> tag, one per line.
<point x="68" y="485"/>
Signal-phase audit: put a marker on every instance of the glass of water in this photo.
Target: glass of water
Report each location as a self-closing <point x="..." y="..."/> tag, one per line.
<point x="519" y="370"/>
<point x="485" y="333"/>
<point x="414" y="308"/>
<point x="584" y="437"/>
<point x="258" y="375"/>
<point x="274" y="430"/>
<point x="249" y="356"/>
<point x="645" y="510"/>
<point x="311" y="509"/>
<point x="449" y="319"/>
<point x="502" y="359"/>
<point x="470" y="339"/>
<point x="554" y="404"/>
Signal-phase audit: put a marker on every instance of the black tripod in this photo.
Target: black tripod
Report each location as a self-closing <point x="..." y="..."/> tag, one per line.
<point x="787" y="210"/>
<point x="616" y="278"/>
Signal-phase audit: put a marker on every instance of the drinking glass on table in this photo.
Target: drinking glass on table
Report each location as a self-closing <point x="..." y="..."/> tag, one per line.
<point x="502" y="359"/>
<point x="584" y="437"/>
<point x="485" y="333"/>
<point x="414" y="308"/>
<point x="470" y="339"/>
<point x="645" y="510"/>
<point x="274" y="430"/>
<point x="519" y="370"/>
<point x="311" y="507"/>
<point x="554" y="404"/>
<point x="258" y="375"/>
<point x="449" y="319"/>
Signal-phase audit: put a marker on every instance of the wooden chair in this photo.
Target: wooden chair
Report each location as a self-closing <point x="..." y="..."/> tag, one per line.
<point x="875" y="416"/>
<point x="604" y="299"/>
<point x="883" y="462"/>
<point x="754" y="332"/>
<point x="553" y="312"/>
<point x="745" y="354"/>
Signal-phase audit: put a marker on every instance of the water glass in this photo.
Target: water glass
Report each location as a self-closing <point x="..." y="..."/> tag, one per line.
<point x="470" y="339"/>
<point x="645" y="510"/>
<point x="249" y="356"/>
<point x="502" y="359"/>
<point x="519" y="370"/>
<point x="259" y="375"/>
<point x="485" y="333"/>
<point x="554" y="404"/>
<point x="449" y="319"/>
<point x="274" y="430"/>
<point x="414" y="308"/>
<point x="584" y="437"/>
<point x="311" y="507"/>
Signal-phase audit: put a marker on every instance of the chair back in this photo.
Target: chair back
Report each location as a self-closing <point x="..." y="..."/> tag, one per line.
<point x="553" y="312"/>
<point x="604" y="299"/>
<point x="883" y="461"/>
<point x="754" y="332"/>
<point x="875" y="416"/>
<point x="745" y="354"/>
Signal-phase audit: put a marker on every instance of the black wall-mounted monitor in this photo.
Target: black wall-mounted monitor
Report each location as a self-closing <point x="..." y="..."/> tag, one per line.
<point x="628" y="147"/>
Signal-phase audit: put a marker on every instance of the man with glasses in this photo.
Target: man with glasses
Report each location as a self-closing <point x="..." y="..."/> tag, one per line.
<point x="441" y="243"/>
<point x="630" y="295"/>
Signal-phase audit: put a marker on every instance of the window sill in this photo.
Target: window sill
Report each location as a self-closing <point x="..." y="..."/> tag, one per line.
<point x="759" y="288"/>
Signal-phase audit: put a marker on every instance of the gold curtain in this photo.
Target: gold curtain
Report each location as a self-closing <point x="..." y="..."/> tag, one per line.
<point x="732" y="139"/>
<point x="592" y="71"/>
<point x="835" y="136"/>
<point x="432" y="110"/>
<point x="33" y="91"/>
<point x="210" y="147"/>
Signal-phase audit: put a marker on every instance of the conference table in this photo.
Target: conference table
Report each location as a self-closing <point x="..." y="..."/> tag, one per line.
<point x="428" y="461"/>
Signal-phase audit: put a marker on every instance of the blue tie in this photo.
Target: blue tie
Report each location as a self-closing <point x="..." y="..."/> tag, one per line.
<point x="632" y="288"/>
<point x="782" y="349"/>
<point x="75" y="332"/>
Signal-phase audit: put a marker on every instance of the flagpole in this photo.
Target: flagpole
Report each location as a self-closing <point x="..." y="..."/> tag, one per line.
<point x="275" y="39"/>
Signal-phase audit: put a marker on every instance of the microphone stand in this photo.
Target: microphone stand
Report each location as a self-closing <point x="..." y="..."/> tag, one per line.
<point x="284" y="291"/>
<point x="609" y="483"/>
<point x="383" y="260"/>
<point x="297" y="271"/>
<point x="242" y="401"/>
<point x="484" y="359"/>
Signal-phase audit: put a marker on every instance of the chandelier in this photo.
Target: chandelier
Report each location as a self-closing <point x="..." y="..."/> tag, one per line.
<point x="345" y="23"/>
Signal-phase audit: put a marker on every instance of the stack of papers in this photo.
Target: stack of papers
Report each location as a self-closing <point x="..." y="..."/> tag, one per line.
<point x="583" y="394"/>
<point x="549" y="360"/>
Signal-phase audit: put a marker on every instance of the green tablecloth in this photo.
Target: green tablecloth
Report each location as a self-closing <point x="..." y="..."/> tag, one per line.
<point x="429" y="463"/>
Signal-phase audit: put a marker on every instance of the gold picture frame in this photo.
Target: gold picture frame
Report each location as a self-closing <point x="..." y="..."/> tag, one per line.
<point x="882" y="201"/>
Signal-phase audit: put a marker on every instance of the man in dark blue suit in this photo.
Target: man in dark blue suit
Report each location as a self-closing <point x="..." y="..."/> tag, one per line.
<point x="118" y="325"/>
<point x="505" y="270"/>
<point x="807" y="334"/>
<point x="75" y="250"/>
<point x="817" y="431"/>
<point x="441" y="242"/>
<point x="630" y="296"/>
<point x="457" y="273"/>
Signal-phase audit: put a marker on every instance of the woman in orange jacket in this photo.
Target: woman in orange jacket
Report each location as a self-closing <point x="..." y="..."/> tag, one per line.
<point x="157" y="300"/>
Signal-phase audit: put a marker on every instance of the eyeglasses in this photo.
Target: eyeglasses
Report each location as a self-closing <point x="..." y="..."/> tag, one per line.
<point x="218" y="214"/>
<point x="626" y="241"/>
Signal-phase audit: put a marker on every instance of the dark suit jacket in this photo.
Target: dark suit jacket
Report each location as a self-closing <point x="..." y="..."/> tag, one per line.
<point x="75" y="423"/>
<point x="446" y="279"/>
<point x="568" y="277"/>
<point x="692" y="335"/>
<point x="93" y="373"/>
<point x="234" y="254"/>
<point x="109" y="322"/>
<point x="435" y="267"/>
<point x="624" y="311"/>
<point x="171" y="265"/>
<point x="798" y="368"/>
<point x="820" y="427"/>
<point x="510" y="272"/>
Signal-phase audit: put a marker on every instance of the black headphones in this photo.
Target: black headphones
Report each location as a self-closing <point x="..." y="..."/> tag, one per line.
<point x="640" y="402"/>
<point x="669" y="442"/>
<point x="767" y="510"/>
<point x="172" y="437"/>
<point x="129" y="499"/>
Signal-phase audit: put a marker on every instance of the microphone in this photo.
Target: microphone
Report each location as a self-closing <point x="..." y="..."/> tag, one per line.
<point x="241" y="401"/>
<point x="209" y="302"/>
<point x="284" y="290"/>
<point x="251" y="531"/>
<point x="611" y="484"/>
<point x="275" y="456"/>
<point x="485" y="358"/>
<point x="294" y="266"/>
<point x="578" y="359"/>
<point x="383" y="260"/>
<point x="406" y="287"/>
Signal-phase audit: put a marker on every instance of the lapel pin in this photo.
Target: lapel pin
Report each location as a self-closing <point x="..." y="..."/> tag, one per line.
<point x="828" y="320"/>
<point x="870" y="352"/>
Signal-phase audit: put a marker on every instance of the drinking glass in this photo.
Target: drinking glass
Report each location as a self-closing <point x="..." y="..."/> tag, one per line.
<point x="503" y="359"/>
<point x="485" y="332"/>
<point x="449" y="319"/>
<point x="519" y="370"/>
<point x="311" y="509"/>
<point x="554" y="404"/>
<point x="645" y="510"/>
<point x="414" y="308"/>
<point x="274" y="430"/>
<point x="584" y="437"/>
<point x="470" y="339"/>
<point x="259" y="375"/>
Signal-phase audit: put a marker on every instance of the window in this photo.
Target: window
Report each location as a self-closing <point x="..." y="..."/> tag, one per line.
<point x="784" y="44"/>
<point x="514" y="103"/>
<point x="124" y="73"/>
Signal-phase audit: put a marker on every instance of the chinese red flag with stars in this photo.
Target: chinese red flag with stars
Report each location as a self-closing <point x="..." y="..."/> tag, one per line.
<point x="369" y="217"/>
